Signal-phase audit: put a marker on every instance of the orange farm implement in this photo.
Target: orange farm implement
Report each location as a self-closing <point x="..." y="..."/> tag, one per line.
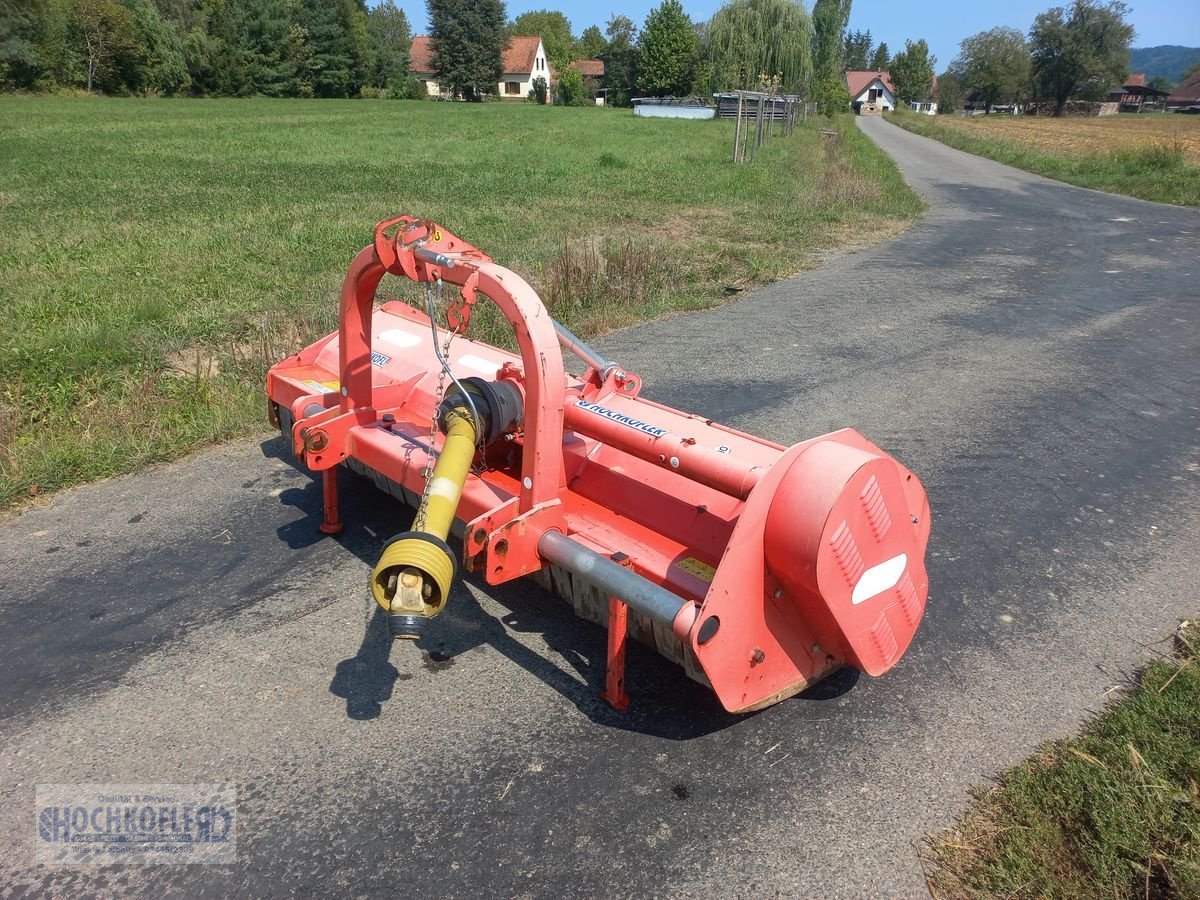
<point x="758" y="568"/>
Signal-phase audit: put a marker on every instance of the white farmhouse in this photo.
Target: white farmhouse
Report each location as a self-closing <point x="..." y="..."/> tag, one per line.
<point x="868" y="88"/>
<point x="524" y="61"/>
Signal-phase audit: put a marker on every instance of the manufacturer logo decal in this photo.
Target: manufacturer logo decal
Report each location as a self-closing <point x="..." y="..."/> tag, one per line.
<point x="621" y="418"/>
<point x="380" y="359"/>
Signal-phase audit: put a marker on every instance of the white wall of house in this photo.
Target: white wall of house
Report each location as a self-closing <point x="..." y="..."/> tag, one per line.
<point x="519" y="85"/>
<point x="929" y="109"/>
<point x="882" y="95"/>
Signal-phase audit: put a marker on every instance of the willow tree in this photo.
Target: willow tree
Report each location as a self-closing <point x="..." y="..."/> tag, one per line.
<point x="749" y="39"/>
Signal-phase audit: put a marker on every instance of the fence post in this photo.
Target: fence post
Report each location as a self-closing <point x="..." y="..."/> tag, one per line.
<point x="737" y="131"/>
<point x="758" y="131"/>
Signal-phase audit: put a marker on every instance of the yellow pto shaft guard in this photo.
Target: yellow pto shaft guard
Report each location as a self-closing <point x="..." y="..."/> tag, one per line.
<point x="412" y="579"/>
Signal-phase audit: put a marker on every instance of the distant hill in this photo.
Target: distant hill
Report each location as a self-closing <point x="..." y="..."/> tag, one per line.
<point x="1167" y="61"/>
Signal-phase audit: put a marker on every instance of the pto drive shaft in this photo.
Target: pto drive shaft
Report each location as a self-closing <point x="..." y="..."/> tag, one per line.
<point x="412" y="578"/>
<point x="415" y="569"/>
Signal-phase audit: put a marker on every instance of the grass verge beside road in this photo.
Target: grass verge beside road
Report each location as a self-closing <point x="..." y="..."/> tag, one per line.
<point x="156" y="256"/>
<point x="1153" y="156"/>
<point x="1114" y="812"/>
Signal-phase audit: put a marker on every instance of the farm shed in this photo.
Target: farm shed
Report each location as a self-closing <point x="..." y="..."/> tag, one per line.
<point x="1135" y="93"/>
<point x="592" y="71"/>
<point x="589" y="68"/>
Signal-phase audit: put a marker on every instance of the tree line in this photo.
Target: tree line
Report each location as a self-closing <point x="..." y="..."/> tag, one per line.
<point x="1076" y="52"/>
<point x="235" y="48"/>
<point x="340" y="48"/>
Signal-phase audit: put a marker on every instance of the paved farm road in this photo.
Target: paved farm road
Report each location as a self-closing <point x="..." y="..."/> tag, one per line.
<point x="1031" y="349"/>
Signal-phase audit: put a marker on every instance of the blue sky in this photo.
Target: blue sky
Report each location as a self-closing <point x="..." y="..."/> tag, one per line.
<point x="942" y="24"/>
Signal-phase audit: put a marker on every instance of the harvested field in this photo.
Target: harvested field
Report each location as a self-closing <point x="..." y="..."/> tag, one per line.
<point x="1086" y="136"/>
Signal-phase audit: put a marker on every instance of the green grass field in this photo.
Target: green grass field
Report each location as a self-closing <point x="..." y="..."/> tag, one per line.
<point x="1153" y="156"/>
<point x="156" y="256"/>
<point x="1114" y="812"/>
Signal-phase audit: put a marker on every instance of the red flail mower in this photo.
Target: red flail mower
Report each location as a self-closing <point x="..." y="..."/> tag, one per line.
<point x="758" y="568"/>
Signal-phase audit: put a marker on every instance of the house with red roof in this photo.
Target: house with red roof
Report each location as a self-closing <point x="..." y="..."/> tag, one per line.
<point x="1186" y="94"/>
<point x="872" y="90"/>
<point x="523" y="62"/>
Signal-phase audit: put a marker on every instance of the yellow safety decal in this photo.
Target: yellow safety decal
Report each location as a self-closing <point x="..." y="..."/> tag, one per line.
<point x="437" y="235"/>
<point x="693" y="566"/>
<point x="324" y="387"/>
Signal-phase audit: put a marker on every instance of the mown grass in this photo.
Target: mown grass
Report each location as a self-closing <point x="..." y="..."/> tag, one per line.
<point x="156" y="256"/>
<point x="1112" y="813"/>
<point x="1112" y="156"/>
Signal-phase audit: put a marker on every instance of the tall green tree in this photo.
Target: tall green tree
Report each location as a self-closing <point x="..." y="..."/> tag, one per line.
<point x="468" y="44"/>
<point x="591" y="44"/>
<point x="669" y="51"/>
<point x="620" y="60"/>
<point x="995" y="64"/>
<point x="569" y="90"/>
<point x="950" y="93"/>
<point x="250" y="49"/>
<point x="829" y="19"/>
<point x="157" y="64"/>
<point x="265" y="36"/>
<point x="20" y="31"/>
<point x="1083" y="48"/>
<point x="912" y="72"/>
<point x="391" y="37"/>
<point x="59" y="53"/>
<point x="553" y="28"/>
<point x="321" y="50"/>
<point x="750" y="39"/>
<point x="880" y="58"/>
<point x="352" y="17"/>
<point x="104" y="31"/>
<point x="856" y="50"/>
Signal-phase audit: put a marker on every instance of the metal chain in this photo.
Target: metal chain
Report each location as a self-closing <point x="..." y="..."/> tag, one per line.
<point x="439" y="396"/>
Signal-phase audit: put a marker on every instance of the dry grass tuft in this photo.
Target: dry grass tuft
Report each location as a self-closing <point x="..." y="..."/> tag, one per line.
<point x="607" y="273"/>
<point x="844" y="183"/>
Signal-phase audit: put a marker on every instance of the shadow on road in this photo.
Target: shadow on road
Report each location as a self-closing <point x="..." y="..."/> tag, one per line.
<point x="665" y="702"/>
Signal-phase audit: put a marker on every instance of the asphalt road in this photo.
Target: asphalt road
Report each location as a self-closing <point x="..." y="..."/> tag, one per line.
<point x="1032" y="350"/>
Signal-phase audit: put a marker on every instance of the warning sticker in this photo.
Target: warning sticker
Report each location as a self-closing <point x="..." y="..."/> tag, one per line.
<point x="693" y="566"/>
<point x="323" y="387"/>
